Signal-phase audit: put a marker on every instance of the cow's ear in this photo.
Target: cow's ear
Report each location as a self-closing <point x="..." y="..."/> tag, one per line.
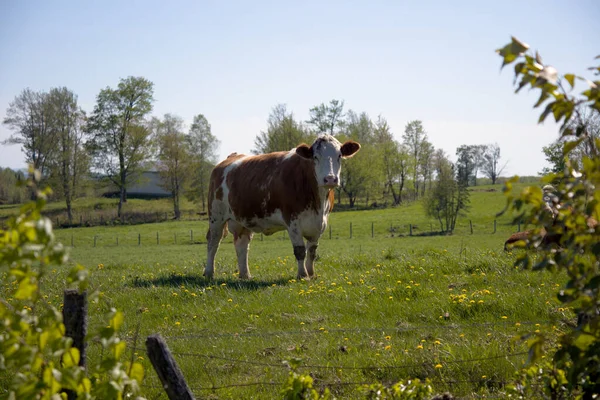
<point x="304" y="151"/>
<point x="350" y="148"/>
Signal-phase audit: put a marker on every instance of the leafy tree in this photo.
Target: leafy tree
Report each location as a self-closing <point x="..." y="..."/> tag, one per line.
<point x="470" y="159"/>
<point x="283" y="132"/>
<point x="69" y="163"/>
<point x="491" y="160"/>
<point x="120" y="139"/>
<point x="10" y="193"/>
<point x="326" y="117"/>
<point x="29" y="117"/>
<point x="394" y="159"/>
<point x="574" y="369"/>
<point x="37" y="360"/>
<point x="426" y="164"/>
<point x="589" y="120"/>
<point x="449" y="197"/>
<point x="203" y="147"/>
<point x="174" y="158"/>
<point x="415" y="139"/>
<point x="361" y="176"/>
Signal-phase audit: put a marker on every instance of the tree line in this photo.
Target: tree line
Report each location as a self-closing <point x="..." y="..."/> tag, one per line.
<point x="119" y="139"/>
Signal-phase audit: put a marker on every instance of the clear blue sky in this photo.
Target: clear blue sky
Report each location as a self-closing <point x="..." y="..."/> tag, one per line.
<point x="234" y="60"/>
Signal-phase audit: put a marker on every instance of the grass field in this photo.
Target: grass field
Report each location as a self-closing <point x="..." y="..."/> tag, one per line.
<point x="382" y="308"/>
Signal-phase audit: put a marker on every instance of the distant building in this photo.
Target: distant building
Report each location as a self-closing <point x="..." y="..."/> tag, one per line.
<point x="147" y="186"/>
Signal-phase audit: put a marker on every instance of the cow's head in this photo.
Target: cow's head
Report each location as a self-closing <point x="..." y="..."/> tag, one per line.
<point x="327" y="153"/>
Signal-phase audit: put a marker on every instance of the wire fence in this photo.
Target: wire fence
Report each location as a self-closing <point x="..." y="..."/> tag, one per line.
<point x="334" y="231"/>
<point x="320" y="383"/>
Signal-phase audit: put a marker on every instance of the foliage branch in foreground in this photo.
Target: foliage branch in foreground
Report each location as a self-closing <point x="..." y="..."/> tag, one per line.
<point x="572" y="238"/>
<point x="37" y="361"/>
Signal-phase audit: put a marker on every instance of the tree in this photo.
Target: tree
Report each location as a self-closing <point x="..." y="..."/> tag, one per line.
<point x="413" y="139"/>
<point x="120" y="141"/>
<point x="283" y="132"/>
<point x="394" y="159"/>
<point x="174" y="157"/>
<point x="573" y="370"/>
<point x="448" y="198"/>
<point x="69" y="162"/>
<point x="491" y="160"/>
<point x="426" y="164"/>
<point x="203" y="147"/>
<point x="470" y="159"/>
<point x="10" y="193"/>
<point x="587" y="119"/>
<point x="326" y="117"/>
<point x="29" y="117"/>
<point x="361" y="176"/>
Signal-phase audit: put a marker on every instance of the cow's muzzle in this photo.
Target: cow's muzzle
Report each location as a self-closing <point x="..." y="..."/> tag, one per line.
<point x="331" y="181"/>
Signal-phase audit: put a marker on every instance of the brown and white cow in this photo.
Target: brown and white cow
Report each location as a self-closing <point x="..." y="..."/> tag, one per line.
<point x="272" y="192"/>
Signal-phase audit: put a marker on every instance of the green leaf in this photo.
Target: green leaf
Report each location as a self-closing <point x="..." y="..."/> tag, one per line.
<point x="26" y="290"/>
<point x="136" y="371"/>
<point x="583" y="341"/>
<point x="71" y="357"/>
<point x="571" y="79"/>
<point x="571" y="145"/>
<point x="546" y="111"/>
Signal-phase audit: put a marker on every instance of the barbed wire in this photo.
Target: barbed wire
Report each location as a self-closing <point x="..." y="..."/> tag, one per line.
<point x="349" y="330"/>
<point x="284" y="364"/>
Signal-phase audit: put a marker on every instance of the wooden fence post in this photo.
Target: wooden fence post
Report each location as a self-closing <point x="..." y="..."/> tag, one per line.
<point x="166" y="368"/>
<point x="372" y="229"/>
<point x="410" y="229"/>
<point x="471" y="225"/>
<point x="75" y="320"/>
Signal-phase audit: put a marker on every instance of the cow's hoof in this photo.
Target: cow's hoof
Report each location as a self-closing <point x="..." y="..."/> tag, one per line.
<point x="245" y="277"/>
<point x="208" y="276"/>
<point x="305" y="277"/>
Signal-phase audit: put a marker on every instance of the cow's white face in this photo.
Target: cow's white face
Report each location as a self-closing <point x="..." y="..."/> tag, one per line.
<point x="327" y="153"/>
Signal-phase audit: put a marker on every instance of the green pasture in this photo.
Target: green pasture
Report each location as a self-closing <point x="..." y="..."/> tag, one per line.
<point x="385" y="305"/>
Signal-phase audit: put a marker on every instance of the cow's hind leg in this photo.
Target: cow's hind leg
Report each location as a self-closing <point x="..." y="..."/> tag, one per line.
<point x="311" y="256"/>
<point x="216" y="231"/>
<point x="299" y="249"/>
<point x="241" y="241"/>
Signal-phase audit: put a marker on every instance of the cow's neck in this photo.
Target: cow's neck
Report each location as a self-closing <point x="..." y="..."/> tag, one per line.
<point x="324" y="200"/>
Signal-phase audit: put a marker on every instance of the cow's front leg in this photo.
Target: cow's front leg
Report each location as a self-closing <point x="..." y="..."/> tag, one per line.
<point x="299" y="249"/>
<point x="312" y="255"/>
<point x="241" y="241"/>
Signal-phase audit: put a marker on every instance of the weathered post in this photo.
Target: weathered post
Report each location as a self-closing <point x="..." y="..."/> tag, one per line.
<point x="471" y="225"/>
<point x="166" y="368"/>
<point x="75" y="320"/>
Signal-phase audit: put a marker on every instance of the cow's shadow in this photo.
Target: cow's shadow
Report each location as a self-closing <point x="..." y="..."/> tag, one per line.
<point x="199" y="281"/>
